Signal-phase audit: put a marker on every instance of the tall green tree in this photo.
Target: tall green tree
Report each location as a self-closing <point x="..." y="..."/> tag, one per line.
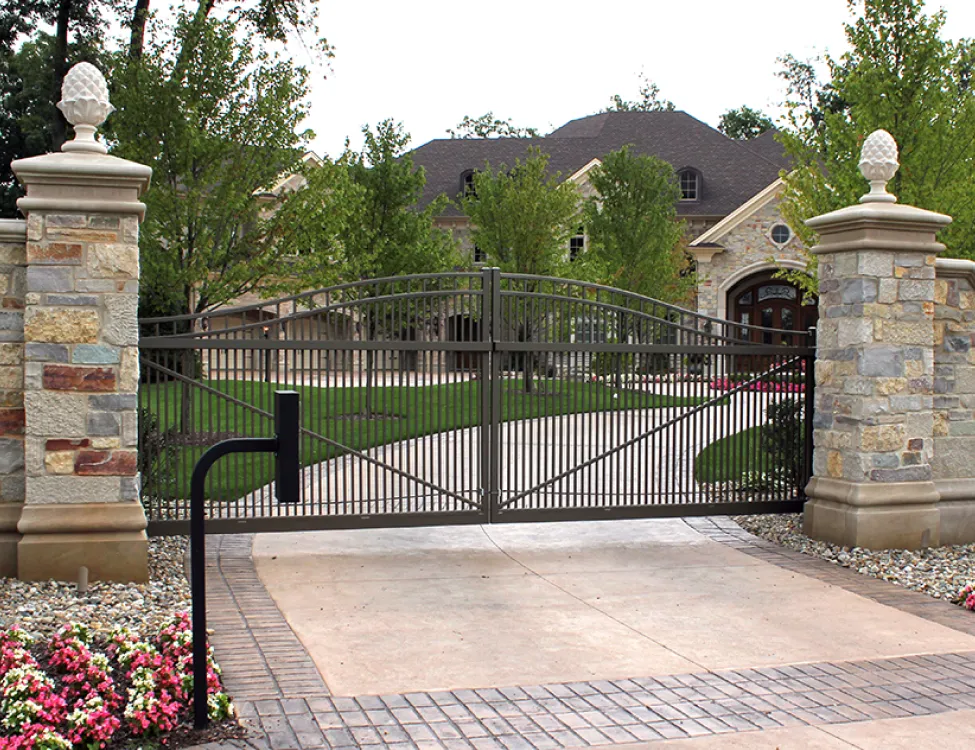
<point x="522" y="218"/>
<point x="744" y="123"/>
<point x="356" y="219"/>
<point x="633" y="228"/>
<point x="216" y="132"/>
<point x="902" y="75"/>
<point x="635" y="236"/>
<point x="387" y="236"/>
<point x="489" y="126"/>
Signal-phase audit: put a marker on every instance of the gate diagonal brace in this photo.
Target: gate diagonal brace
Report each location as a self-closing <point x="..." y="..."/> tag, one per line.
<point x="649" y="433"/>
<point x="350" y="452"/>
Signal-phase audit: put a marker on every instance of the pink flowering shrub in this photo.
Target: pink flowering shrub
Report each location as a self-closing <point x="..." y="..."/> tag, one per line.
<point x="725" y="384"/>
<point x="67" y="693"/>
<point x="966" y="597"/>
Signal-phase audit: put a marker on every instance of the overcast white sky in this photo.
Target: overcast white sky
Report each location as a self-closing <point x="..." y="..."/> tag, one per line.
<point x="427" y="63"/>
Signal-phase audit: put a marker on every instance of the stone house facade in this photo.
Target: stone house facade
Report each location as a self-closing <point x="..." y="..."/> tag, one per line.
<point x="730" y="189"/>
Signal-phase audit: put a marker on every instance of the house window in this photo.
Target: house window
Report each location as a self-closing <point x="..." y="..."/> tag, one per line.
<point x="781" y="234"/>
<point x="577" y="244"/>
<point x="479" y="255"/>
<point x="690" y="188"/>
<point x="467" y="185"/>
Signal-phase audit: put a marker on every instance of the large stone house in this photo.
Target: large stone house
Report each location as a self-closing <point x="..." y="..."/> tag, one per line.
<point x="730" y="201"/>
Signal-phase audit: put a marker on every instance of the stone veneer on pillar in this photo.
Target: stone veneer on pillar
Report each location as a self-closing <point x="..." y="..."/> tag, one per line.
<point x="954" y="398"/>
<point x="872" y="482"/>
<point x="81" y="369"/>
<point x="13" y="237"/>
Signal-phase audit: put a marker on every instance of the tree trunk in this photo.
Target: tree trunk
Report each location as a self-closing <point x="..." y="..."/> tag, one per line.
<point x="138" y="37"/>
<point x="528" y="362"/>
<point x="186" y="392"/>
<point x="59" y="129"/>
<point x="620" y="333"/>
<point x="187" y="370"/>
<point x="370" y="364"/>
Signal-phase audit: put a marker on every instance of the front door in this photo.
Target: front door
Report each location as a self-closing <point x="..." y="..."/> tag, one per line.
<point x="771" y="303"/>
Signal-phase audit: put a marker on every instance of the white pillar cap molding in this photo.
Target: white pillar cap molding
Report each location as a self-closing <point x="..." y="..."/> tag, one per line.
<point x="13" y="230"/>
<point x="955" y="268"/>
<point x="83" y="178"/>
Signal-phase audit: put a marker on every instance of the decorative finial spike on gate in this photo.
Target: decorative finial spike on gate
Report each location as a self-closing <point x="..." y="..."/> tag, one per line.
<point x="878" y="163"/>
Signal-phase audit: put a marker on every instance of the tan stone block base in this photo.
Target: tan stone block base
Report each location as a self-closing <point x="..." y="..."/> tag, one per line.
<point x="873" y="516"/>
<point x="957" y="506"/>
<point x="122" y="556"/>
<point x="108" y="538"/>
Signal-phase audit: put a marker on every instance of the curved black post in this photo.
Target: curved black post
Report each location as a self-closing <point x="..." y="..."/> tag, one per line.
<point x="286" y="483"/>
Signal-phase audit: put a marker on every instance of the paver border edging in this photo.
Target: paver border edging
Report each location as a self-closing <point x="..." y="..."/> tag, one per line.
<point x="252" y="641"/>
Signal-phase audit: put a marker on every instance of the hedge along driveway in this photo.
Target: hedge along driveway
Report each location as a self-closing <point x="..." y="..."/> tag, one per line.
<point x="396" y="413"/>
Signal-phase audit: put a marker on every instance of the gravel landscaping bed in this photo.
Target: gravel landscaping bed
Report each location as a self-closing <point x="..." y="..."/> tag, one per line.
<point x="42" y="607"/>
<point x="940" y="572"/>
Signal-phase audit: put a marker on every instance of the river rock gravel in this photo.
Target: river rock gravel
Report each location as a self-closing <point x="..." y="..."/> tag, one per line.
<point x="940" y="572"/>
<point x="41" y="607"/>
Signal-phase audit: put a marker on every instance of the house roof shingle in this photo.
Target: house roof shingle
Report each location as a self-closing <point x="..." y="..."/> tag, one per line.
<point x="731" y="171"/>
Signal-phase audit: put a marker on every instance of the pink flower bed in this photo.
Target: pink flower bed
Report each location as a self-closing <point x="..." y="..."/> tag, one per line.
<point x="724" y="384"/>
<point x="71" y="692"/>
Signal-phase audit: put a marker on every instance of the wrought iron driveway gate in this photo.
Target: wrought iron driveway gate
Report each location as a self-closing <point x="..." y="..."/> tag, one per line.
<point x="473" y="398"/>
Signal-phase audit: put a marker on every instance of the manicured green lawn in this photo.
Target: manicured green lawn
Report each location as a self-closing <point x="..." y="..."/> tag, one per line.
<point x="339" y="414"/>
<point x="731" y="457"/>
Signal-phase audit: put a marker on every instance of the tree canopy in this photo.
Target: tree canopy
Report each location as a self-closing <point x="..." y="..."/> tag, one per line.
<point x="356" y="218"/>
<point x="217" y="131"/>
<point x="40" y="39"/>
<point x="489" y="126"/>
<point x="522" y="216"/>
<point x="902" y="75"/>
<point x="744" y="123"/>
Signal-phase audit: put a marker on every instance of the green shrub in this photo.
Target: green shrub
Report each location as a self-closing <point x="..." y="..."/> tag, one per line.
<point x="783" y="439"/>
<point x="158" y="456"/>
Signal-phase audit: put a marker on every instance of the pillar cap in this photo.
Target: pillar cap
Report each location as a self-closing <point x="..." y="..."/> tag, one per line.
<point x="82" y="182"/>
<point x="879" y="226"/>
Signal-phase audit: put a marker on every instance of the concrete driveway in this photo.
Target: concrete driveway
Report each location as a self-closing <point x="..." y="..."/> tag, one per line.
<point x="405" y="610"/>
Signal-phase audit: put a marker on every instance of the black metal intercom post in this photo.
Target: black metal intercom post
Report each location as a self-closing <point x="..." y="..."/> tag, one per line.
<point x="286" y="489"/>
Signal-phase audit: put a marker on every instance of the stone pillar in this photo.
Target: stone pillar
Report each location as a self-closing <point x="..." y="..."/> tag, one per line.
<point x="13" y="237"/>
<point x="81" y="353"/>
<point x="954" y="398"/>
<point x="873" y="429"/>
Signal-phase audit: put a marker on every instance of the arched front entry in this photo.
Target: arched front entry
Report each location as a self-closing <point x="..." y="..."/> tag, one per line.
<point x="761" y="300"/>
